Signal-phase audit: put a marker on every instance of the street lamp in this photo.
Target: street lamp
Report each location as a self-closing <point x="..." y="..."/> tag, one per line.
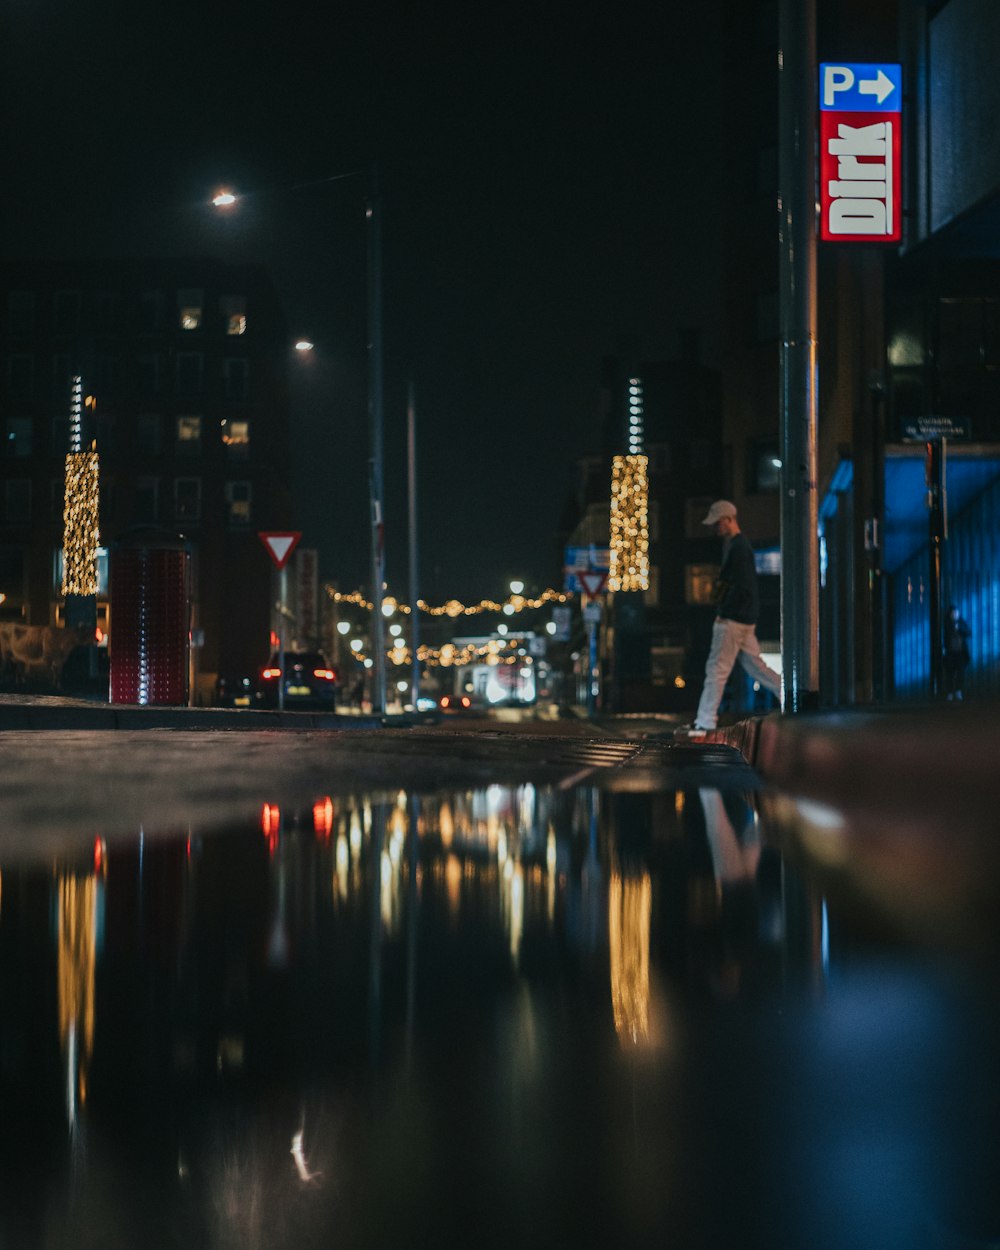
<point x="226" y="199"/>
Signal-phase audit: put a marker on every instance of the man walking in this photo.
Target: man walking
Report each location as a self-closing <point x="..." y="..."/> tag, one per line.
<point x="734" y="634"/>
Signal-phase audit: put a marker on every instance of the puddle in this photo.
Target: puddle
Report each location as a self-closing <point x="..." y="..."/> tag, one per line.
<point x="508" y="1015"/>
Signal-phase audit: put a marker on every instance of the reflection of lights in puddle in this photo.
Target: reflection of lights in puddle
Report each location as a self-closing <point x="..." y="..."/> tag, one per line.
<point x="821" y="828"/>
<point x="301" y="1162"/>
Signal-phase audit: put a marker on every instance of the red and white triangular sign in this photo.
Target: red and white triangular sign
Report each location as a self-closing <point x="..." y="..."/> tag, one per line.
<point x="279" y="544"/>
<point x="593" y="581"/>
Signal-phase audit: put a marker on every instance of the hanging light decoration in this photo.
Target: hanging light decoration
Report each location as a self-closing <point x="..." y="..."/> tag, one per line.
<point x="629" y="524"/>
<point x="454" y="607"/>
<point x="81" y="530"/>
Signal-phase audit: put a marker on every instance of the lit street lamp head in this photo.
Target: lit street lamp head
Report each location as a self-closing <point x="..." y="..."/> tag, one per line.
<point x="304" y="345"/>
<point x="224" y="199"/>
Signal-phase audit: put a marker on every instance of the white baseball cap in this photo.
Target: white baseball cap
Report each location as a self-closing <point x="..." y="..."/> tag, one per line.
<point x="719" y="509"/>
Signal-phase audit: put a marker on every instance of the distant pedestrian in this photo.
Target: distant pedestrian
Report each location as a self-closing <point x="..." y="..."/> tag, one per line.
<point x="734" y="634"/>
<point x="956" y="652"/>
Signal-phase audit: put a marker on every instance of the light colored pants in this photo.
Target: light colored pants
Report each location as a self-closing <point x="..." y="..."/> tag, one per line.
<point x="731" y="641"/>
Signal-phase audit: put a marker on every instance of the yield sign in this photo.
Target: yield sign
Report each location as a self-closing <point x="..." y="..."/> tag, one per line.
<point x="593" y="581"/>
<point x="279" y="545"/>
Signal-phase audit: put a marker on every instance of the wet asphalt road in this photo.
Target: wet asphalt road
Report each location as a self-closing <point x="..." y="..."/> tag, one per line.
<point x="556" y="984"/>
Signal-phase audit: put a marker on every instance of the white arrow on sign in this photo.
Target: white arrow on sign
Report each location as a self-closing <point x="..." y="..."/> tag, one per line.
<point x="279" y="545"/>
<point x="879" y="86"/>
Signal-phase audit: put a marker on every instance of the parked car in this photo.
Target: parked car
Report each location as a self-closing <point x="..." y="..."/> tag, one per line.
<point x="455" y="703"/>
<point x="309" y="681"/>
<point x="234" y="691"/>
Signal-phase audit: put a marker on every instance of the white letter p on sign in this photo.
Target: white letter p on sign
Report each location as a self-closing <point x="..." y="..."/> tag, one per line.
<point x="836" y="78"/>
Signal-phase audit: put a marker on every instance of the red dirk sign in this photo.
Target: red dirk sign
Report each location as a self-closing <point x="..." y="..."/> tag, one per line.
<point x="860" y="153"/>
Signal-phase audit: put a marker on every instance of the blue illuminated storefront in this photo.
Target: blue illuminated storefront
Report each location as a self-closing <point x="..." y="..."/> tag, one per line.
<point x="971" y="564"/>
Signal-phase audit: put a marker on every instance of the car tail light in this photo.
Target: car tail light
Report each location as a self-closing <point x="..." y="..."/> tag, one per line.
<point x="324" y="674"/>
<point x="445" y="701"/>
<point x="271" y="674"/>
<point x="466" y="701"/>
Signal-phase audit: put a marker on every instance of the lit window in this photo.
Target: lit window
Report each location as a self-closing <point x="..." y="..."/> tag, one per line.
<point x="699" y="582"/>
<point x="189" y="304"/>
<point x="188" y="435"/>
<point x="238" y="503"/>
<point x="236" y="437"/>
<point x="234" y="312"/>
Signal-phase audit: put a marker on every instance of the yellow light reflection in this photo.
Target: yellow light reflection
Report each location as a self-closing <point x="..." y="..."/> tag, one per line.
<point x="77" y="953"/>
<point x="453" y="884"/>
<point x="630" y="907"/>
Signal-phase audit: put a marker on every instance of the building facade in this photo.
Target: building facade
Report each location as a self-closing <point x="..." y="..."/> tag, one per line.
<point x="182" y="365"/>
<point x="908" y="348"/>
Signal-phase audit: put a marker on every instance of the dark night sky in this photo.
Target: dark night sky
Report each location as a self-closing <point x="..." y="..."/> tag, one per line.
<point x="551" y="184"/>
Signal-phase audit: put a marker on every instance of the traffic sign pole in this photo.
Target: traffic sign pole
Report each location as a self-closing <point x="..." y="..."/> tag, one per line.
<point x="283" y="575"/>
<point x="280" y="544"/>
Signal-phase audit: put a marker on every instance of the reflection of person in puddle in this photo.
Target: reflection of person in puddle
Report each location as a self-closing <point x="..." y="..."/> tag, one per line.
<point x="735" y="859"/>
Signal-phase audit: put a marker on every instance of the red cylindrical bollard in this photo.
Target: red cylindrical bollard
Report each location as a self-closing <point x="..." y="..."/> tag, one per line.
<point x="150" y="618"/>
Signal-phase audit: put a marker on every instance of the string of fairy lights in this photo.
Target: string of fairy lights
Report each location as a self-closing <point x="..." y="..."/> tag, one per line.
<point x="453" y="607"/>
<point x="629" y="571"/>
<point x="493" y="652"/>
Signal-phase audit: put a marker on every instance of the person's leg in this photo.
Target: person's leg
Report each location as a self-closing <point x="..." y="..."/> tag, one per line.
<point x="718" y="666"/>
<point x="753" y="662"/>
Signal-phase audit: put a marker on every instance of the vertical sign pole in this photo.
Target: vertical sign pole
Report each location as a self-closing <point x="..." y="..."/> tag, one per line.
<point x="411" y="440"/>
<point x="375" y="418"/>
<point x="797" y="237"/>
<point x="283" y="575"/>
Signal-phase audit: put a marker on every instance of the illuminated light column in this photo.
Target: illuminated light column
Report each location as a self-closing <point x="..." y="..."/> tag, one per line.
<point x="636" y="404"/>
<point x="81" y="533"/>
<point x="629" y="569"/>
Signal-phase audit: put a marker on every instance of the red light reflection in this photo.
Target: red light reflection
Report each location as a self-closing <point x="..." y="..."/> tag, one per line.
<point x="323" y="814"/>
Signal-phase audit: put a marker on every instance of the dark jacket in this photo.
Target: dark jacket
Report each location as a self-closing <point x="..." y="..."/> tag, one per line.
<point x="739" y="599"/>
<point x="956" y="640"/>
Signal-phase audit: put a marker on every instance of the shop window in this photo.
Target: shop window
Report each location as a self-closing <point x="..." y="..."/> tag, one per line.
<point x="699" y="583"/>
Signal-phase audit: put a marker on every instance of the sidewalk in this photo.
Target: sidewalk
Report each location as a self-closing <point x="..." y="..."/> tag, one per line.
<point x="45" y="712"/>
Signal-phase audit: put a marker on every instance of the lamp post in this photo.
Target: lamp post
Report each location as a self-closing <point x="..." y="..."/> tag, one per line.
<point x="226" y="200"/>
